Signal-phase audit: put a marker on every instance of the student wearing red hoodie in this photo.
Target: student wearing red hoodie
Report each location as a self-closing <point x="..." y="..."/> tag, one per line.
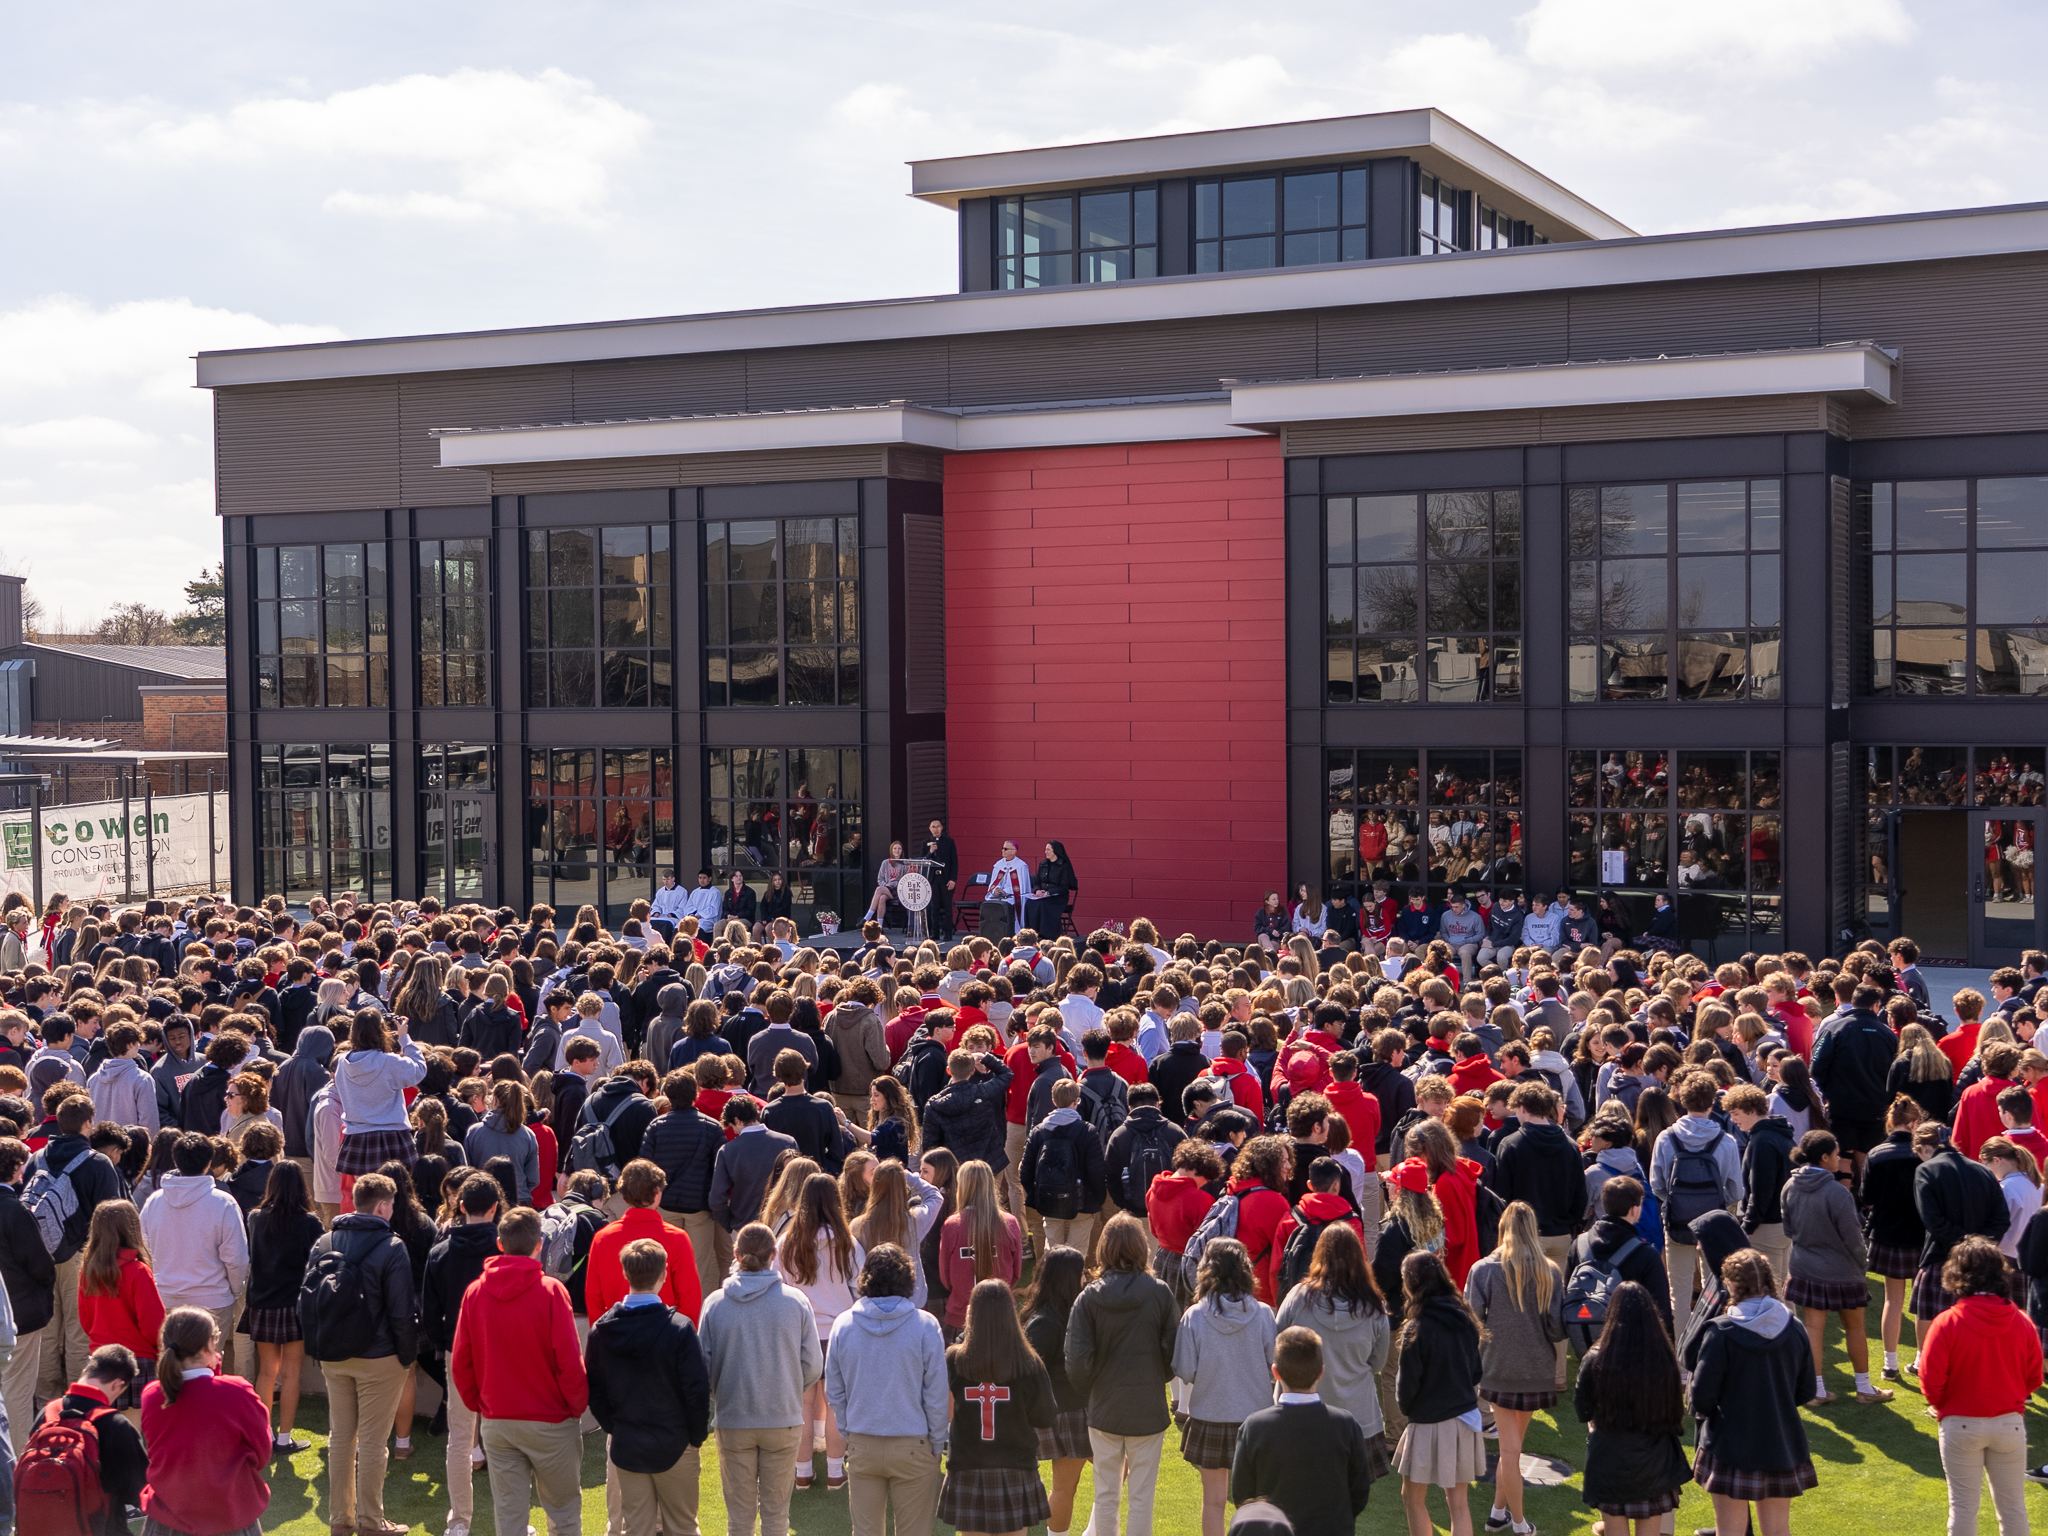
<point x="1258" y="1178"/>
<point x="1471" y="1073"/>
<point x="1455" y="1182"/>
<point x="117" y="1296"/>
<point x="1979" y="1364"/>
<point x="1790" y="1016"/>
<point x="604" y="1282"/>
<point x="208" y="1436"/>
<point x="1960" y="1043"/>
<point x="897" y="1032"/>
<point x="1231" y="1066"/>
<point x="1359" y="1109"/>
<point x="1977" y="1111"/>
<point x="1124" y="1060"/>
<point x="1175" y="1204"/>
<point x="516" y="1360"/>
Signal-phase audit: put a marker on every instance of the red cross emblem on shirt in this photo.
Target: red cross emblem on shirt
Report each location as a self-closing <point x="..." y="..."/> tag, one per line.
<point x="988" y="1394"/>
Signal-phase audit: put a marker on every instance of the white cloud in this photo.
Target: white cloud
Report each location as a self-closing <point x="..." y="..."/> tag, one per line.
<point x="1787" y="36"/>
<point x="488" y="143"/>
<point x="108" y="448"/>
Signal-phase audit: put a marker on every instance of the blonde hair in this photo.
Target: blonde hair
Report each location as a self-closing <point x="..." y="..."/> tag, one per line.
<point x="982" y="1215"/>
<point x="1916" y="1044"/>
<point x="1530" y="1276"/>
<point x="2019" y="1156"/>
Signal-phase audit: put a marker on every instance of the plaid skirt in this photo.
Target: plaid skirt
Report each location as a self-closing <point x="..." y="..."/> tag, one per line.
<point x="1067" y="1440"/>
<point x="1646" y="1509"/>
<point x="271" y="1325"/>
<point x="1520" y="1402"/>
<point x="1379" y="1456"/>
<point x="1827" y="1295"/>
<point x="993" y="1499"/>
<point x="1205" y="1443"/>
<point x="1930" y="1299"/>
<point x="1894" y="1263"/>
<point x="1735" y="1483"/>
<point x="366" y="1151"/>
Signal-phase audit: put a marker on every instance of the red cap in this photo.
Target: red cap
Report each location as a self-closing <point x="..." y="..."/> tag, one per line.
<point x="1412" y="1174"/>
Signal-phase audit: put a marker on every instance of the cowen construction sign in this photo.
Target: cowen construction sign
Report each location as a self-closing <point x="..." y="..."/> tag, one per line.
<point x="88" y="850"/>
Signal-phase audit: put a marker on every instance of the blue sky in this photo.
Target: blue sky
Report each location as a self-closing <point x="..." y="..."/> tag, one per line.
<point x="232" y="174"/>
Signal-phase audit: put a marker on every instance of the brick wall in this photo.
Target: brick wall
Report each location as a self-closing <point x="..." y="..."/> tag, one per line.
<point x="1115" y="673"/>
<point x="184" y="722"/>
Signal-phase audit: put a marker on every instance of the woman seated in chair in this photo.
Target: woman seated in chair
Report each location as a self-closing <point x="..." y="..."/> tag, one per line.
<point x="893" y="869"/>
<point x="1052" y="888"/>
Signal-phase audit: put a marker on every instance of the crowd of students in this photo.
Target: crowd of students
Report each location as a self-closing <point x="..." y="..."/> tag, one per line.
<point x="967" y="1220"/>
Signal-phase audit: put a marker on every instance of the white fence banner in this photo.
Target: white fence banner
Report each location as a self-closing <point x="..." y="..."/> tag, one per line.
<point x="88" y="849"/>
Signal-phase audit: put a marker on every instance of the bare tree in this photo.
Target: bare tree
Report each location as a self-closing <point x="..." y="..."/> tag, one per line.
<point x="135" y="624"/>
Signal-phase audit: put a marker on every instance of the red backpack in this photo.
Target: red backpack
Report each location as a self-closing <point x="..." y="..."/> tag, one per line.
<point x="57" y="1489"/>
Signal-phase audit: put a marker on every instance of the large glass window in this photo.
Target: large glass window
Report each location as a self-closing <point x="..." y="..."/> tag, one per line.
<point x="1244" y="223"/>
<point x="323" y="821"/>
<point x="1099" y="235"/>
<point x="1956" y="581"/>
<point x="323" y="626"/>
<point x="795" y="811"/>
<point x="1709" y="834"/>
<point x="1436" y="818"/>
<point x="1423" y="597"/>
<point x="1919" y="778"/>
<point x="455" y="621"/>
<point x="597" y="618"/>
<point x="1675" y="590"/>
<point x="1436" y="218"/>
<point x="782" y="611"/>
<point x="600" y="826"/>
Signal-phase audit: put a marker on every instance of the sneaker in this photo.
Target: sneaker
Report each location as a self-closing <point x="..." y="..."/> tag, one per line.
<point x="289" y="1445"/>
<point x="2037" y="1474"/>
<point x="458" y="1528"/>
<point x="476" y="1457"/>
<point x="1875" y="1395"/>
<point x="1891" y="1373"/>
<point x="1497" y="1522"/>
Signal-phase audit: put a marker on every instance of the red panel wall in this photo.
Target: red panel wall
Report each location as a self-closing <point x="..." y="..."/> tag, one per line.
<point x="1115" y="673"/>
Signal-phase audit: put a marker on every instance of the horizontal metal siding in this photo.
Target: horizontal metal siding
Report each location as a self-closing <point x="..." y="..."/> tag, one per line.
<point x="660" y="386"/>
<point x="803" y="378"/>
<point x="1974" y="337"/>
<point x="1738" y="315"/>
<point x="305" y="448"/>
<point x="1578" y="424"/>
<point x="1480" y="333"/>
<point x="693" y="469"/>
<point x="1104" y="362"/>
<point x="525" y="396"/>
<point x="78" y="688"/>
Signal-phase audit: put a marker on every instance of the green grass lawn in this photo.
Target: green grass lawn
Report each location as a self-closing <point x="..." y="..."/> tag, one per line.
<point x="1880" y="1470"/>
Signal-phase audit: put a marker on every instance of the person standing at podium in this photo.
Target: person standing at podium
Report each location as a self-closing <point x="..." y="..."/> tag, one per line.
<point x="940" y="850"/>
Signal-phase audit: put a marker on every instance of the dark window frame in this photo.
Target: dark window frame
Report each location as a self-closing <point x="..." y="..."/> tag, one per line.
<point x="330" y="674"/>
<point x="1418" y="789"/>
<point x="453" y="676"/>
<point x="638" y="675"/>
<point x="758" y="792"/>
<point x="598" y="790"/>
<point x="802" y="667"/>
<point x="1074" y="263"/>
<point x="307" y="793"/>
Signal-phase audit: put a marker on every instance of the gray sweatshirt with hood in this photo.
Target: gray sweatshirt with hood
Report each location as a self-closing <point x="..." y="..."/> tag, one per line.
<point x="1355" y="1345"/>
<point x="298" y="1081"/>
<point x="124" y="1094"/>
<point x="490" y="1138"/>
<point x="1820" y="1220"/>
<point x="1224" y="1351"/>
<point x="885" y="1372"/>
<point x="761" y="1350"/>
<point x="1613" y="1163"/>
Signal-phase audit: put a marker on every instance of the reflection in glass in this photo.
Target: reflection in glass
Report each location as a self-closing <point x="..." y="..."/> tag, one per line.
<point x="1932" y="514"/>
<point x="2012" y="513"/>
<point x="1635" y="519"/>
<point x="1712" y="516"/>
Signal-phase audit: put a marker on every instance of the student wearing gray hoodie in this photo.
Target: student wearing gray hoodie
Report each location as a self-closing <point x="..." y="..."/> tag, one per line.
<point x="885" y="1381"/>
<point x="504" y="1133"/>
<point x="1223" y="1350"/>
<point x="298" y="1082"/>
<point x="1612" y="1138"/>
<point x="762" y="1352"/>
<point x="1829" y="1258"/>
<point x="369" y="1085"/>
<point x="1695" y="1168"/>
<point x="122" y="1092"/>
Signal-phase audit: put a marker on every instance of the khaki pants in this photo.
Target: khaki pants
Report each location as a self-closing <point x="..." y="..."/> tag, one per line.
<point x="1558" y="1250"/>
<point x="1973" y="1449"/>
<point x="1118" y="1459"/>
<point x="588" y="1425"/>
<point x="856" y="1107"/>
<point x="224" y="1318"/>
<point x="757" y="1470"/>
<point x="529" y="1458"/>
<point x="1770" y="1241"/>
<point x="462" y="1431"/>
<point x="1076" y="1233"/>
<point x="661" y="1503"/>
<point x="886" y="1469"/>
<point x="18" y="1386"/>
<point x="709" y="1241"/>
<point x="326" y="1213"/>
<point x="65" y="1346"/>
<point x="1013" y="1186"/>
<point x="1682" y="1260"/>
<point x="1390" y="1405"/>
<point x="362" y="1395"/>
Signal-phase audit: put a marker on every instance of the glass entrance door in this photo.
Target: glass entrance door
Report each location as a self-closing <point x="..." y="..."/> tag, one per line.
<point x="2005" y="918"/>
<point x="470" y="822"/>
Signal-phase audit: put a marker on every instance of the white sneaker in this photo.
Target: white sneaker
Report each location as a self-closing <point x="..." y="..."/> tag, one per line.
<point x="457" y="1528"/>
<point x="476" y="1457"/>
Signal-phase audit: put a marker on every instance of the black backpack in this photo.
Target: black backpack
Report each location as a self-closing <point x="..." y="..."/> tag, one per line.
<point x="591" y="1148"/>
<point x="1588" y="1292"/>
<point x="1105" y="1111"/>
<point x="1056" y="1183"/>
<point x="1695" y="1184"/>
<point x="334" y="1305"/>
<point x="922" y="1072"/>
<point x="1152" y="1149"/>
<point x="1487" y="1211"/>
<point x="1299" y="1253"/>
